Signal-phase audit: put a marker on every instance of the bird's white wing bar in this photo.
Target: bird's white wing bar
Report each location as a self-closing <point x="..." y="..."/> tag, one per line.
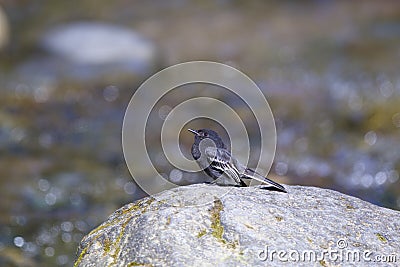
<point x="221" y="159"/>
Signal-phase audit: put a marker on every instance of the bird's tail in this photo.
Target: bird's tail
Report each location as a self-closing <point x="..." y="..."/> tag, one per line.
<point x="251" y="174"/>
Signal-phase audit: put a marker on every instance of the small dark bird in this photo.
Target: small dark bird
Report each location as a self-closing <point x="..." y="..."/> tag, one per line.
<point x="217" y="162"/>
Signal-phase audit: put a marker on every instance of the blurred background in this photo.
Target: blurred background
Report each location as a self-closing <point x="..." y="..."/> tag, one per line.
<point x="329" y="69"/>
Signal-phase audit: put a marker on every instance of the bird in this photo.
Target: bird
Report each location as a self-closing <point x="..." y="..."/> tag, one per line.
<point x="216" y="161"/>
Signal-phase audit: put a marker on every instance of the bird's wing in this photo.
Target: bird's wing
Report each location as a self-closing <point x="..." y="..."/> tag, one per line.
<point x="221" y="159"/>
<point x="251" y="174"/>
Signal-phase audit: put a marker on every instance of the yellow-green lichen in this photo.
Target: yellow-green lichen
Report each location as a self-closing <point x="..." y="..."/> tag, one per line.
<point x="216" y="226"/>
<point x="201" y="233"/>
<point x="217" y="230"/>
<point x="83" y="253"/>
<point x="147" y="203"/>
<point x="381" y="237"/>
<point x="141" y="205"/>
<point x="323" y="263"/>
<point x="106" y="245"/>
<point x="133" y="263"/>
<point x="117" y="242"/>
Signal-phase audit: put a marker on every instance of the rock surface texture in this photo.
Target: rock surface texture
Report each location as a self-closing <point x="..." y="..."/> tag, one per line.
<point x="208" y="225"/>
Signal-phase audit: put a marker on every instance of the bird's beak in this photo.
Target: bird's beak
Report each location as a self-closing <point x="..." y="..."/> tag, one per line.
<point x="193" y="131"/>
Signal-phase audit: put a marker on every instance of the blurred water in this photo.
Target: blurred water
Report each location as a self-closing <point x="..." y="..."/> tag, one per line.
<point x="330" y="71"/>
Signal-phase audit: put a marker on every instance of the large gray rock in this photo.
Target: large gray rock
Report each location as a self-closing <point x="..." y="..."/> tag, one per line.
<point x="207" y="225"/>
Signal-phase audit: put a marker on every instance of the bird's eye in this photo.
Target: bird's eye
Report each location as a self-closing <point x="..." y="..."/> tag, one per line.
<point x="205" y="134"/>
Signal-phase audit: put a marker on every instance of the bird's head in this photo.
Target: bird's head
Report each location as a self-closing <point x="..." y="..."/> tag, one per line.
<point x="202" y="134"/>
